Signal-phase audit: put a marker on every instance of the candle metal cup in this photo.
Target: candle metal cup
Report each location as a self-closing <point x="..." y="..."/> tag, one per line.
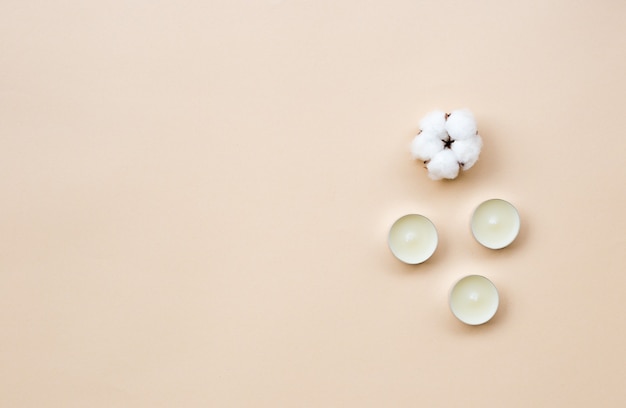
<point x="413" y="239"/>
<point x="474" y="300"/>
<point x="495" y="223"/>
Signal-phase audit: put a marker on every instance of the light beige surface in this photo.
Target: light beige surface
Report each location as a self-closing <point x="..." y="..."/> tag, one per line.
<point x="195" y="198"/>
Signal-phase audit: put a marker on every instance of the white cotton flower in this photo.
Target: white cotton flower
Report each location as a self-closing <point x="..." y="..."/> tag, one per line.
<point x="461" y="124"/>
<point x="426" y="146"/>
<point x="467" y="151"/>
<point x="443" y="165"/>
<point x="447" y="143"/>
<point x="434" y="123"/>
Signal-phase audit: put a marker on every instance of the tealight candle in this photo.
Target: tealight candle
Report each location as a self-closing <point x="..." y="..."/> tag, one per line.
<point x="495" y="223"/>
<point x="413" y="238"/>
<point x="474" y="300"/>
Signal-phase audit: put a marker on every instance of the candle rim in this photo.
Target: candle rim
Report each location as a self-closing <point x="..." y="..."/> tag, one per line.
<point x="432" y="224"/>
<point x="518" y="226"/>
<point x="495" y="288"/>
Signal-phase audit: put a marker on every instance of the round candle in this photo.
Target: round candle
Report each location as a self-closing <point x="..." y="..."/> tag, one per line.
<point x="474" y="300"/>
<point x="495" y="223"/>
<point x="413" y="239"/>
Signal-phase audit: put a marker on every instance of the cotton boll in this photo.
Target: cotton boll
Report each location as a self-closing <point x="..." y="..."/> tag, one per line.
<point x="447" y="143"/>
<point x="461" y="124"/>
<point x="425" y="146"/>
<point x="443" y="165"/>
<point x="467" y="151"/>
<point x="435" y="123"/>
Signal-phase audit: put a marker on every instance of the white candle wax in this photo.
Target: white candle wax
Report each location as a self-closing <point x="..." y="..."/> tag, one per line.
<point x="495" y="223"/>
<point x="474" y="300"/>
<point x="413" y="239"/>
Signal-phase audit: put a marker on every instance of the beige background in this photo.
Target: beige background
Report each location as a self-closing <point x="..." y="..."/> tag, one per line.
<point x="195" y="198"/>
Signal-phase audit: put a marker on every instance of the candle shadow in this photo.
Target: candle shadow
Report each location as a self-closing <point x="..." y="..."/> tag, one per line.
<point x="423" y="267"/>
<point x="441" y="253"/>
<point x="521" y="238"/>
